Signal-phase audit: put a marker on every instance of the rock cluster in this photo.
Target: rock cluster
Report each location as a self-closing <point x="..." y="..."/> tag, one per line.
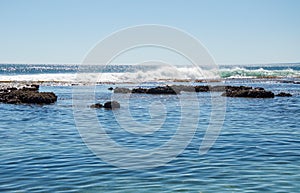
<point x="228" y="91"/>
<point x="175" y="89"/>
<point x="107" y="105"/>
<point x="26" y="95"/>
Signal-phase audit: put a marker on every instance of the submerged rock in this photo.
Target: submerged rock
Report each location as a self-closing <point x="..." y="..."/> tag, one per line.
<point x="283" y="94"/>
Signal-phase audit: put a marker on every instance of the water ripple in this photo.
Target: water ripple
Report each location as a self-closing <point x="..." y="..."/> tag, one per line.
<point x="257" y="151"/>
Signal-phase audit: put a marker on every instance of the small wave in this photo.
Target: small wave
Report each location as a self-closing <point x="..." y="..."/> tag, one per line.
<point x="238" y="72"/>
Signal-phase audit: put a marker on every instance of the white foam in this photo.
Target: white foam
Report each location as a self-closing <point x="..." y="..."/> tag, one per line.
<point x="143" y="75"/>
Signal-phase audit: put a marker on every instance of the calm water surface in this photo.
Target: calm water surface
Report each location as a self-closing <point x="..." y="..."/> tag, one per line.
<point x="258" y="149"/>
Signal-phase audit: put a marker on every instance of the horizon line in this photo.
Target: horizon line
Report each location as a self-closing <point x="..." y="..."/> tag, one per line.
<point x="222" y="64"/>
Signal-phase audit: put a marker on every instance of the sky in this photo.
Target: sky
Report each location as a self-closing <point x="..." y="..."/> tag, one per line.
<point x="233" y="31"/>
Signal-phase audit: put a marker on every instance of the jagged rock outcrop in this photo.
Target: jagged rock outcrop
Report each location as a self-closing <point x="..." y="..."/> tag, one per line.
<point x="26" y="95"/>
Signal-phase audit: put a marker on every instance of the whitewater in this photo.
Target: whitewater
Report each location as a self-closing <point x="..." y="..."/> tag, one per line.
<point x="76" y="74"/>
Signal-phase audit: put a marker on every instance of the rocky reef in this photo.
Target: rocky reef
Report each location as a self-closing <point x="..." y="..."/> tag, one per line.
<point x="28" y="94"/>
<point x="227" y="91"/>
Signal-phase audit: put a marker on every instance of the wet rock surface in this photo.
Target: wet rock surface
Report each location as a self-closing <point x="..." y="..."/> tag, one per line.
<point x="28" y="94"/>
<point x="283" y="94"/>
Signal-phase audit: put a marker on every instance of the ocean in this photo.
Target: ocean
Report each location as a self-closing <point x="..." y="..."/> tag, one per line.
<point x="257" y="150"/>
<point x="59" y="73"/>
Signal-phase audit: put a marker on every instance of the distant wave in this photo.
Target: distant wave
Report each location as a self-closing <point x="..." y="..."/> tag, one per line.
<point x="272" y="72"/>
<point x="69" y="74"/>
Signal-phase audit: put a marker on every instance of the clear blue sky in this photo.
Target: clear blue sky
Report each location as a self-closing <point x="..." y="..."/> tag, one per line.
<point x="234" y="31"/>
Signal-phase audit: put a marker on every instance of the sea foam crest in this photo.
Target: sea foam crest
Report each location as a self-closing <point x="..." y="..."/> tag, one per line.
<point x="241" y="72"/>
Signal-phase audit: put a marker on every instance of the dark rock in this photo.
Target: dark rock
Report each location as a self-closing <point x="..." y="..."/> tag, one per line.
<point x="217" y="88"/>
<point x="29" y="89"/>
<point x="283" y="94"/>
<point x="13" y="101"/>
<point x="287" y="81"/>
<point x="111" y="105"/>
<point x="290" y="81"/>
<point x="11" y="89"/>
<point x="122" y="90"/>
<point x="156" y="90"/>
<point x="97" y="106"/>
<point x="230" y="91"/>
<point x="249" y="93"/>
<point x="139" y="90"/>
<point x="29" y="95"/>
<point x="201" y="88"/>
<point x="161" y="90"/>
<point x="35" y="86"/>
<point x="110" y="88"/>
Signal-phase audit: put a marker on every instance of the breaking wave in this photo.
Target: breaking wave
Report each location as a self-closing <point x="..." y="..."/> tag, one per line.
<point x="73" y="74"/>
<point x="241" y="72"/>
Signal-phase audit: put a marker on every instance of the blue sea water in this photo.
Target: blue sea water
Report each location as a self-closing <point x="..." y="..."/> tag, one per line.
<point x="258" y="149"/>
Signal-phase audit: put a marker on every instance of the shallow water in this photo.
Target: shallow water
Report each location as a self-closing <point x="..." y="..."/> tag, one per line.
<point x="258" y="149"/>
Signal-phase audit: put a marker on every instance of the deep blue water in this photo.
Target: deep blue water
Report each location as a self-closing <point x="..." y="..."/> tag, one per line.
<point x="258" y="149"/>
